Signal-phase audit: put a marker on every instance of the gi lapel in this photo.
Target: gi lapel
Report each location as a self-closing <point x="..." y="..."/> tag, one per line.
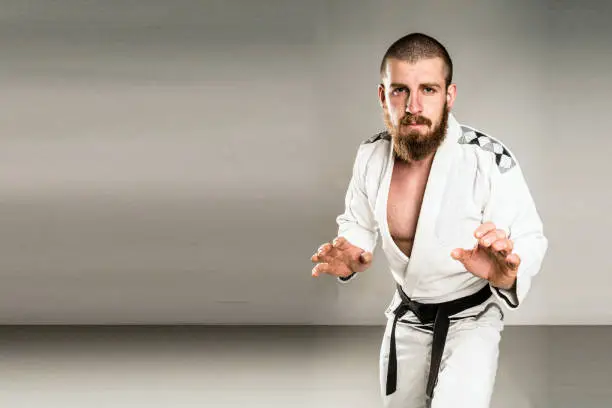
<point x="424" y="239"/>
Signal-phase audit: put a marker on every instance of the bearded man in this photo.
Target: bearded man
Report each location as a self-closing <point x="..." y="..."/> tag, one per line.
<point x="458" y="227"/>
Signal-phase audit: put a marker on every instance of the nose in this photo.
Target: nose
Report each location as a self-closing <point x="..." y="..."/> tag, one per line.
<point x="413" y="104"/>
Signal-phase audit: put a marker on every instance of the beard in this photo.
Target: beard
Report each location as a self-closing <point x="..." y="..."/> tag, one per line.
<point x="414" y="145"/>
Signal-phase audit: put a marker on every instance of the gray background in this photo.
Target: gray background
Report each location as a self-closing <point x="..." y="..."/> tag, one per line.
<point x="179" y="162"/>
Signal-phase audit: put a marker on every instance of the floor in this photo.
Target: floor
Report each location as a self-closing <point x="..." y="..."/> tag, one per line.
<point x="274" y="366"/>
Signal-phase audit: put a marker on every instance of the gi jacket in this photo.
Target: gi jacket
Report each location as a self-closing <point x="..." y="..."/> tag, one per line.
<point x="474" y="178"/>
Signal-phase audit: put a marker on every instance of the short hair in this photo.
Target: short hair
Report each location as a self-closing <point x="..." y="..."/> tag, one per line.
<point x="416" y="46"/>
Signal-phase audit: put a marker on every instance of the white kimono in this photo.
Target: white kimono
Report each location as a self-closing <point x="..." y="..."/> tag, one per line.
<point x="474" y="178"/>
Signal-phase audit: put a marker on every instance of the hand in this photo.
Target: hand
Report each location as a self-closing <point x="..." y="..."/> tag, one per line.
<point x="491" y="258"/>
<point x="340" y="258"/>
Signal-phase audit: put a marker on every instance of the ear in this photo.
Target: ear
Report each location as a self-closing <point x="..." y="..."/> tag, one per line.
<point x="381" y="96"/>
<point x="451" y="94"/>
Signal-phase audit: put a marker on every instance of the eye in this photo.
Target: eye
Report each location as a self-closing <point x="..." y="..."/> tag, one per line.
<point x="398" y="91"/>
<point x="429" y="90"/>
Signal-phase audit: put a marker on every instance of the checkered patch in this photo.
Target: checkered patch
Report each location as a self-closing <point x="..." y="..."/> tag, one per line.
<point x="503" y="158"/>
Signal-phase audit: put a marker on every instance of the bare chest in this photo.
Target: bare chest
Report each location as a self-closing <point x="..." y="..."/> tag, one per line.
<point x="404" y="204"/>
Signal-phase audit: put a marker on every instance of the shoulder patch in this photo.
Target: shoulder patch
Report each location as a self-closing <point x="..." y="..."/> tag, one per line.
<point x="382" y="135"/>
<point x="503" y="157"/>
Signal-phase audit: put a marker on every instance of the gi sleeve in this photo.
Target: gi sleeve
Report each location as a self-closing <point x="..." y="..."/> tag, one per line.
<point x="511" y="208"/>
<point x="357" y="223"/>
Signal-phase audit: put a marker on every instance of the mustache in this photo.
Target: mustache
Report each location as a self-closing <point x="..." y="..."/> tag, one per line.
<point x="419" y="120"/>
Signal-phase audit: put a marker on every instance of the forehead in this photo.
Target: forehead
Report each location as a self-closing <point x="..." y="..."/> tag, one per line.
<point x="427" y="70"/>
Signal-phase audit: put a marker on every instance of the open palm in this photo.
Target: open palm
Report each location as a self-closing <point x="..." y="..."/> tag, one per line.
<point x="491" y="258"/>
<point x="340" y="258"/>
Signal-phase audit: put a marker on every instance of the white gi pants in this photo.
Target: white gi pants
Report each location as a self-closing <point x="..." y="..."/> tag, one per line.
<point x="469" y="363"/>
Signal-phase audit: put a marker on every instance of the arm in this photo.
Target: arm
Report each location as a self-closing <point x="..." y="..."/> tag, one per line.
<point x="357" y="223"/>
<point x="511" y="208"/>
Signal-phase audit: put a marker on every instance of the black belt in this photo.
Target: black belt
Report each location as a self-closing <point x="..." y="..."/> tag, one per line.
<point x="439" y="314"/>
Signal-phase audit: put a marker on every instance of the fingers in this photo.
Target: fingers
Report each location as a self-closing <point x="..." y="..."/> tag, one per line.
<point x="491" y="236"/>
<point x="321" y="268"/>
<point x="324" y="249"/>
<point x="457" y="254"/>
<point x="461" y="254"/>
<point x="366" y="257"/>
<point x="340" y="247"/>
<point x="330" y="270"/>
<point x="361" y="262"/>
<point x="483" y="229"/>
<point x="340" y="256"/>
<point x="503" y="245"/>
<point x="340" y="243"/>
<point x="497" y="241"/>
<point x="321" y="252"/>
<point x="513" y="261"/>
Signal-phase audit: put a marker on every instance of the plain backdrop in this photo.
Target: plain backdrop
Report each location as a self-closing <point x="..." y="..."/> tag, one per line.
<point x="179" y="162"/>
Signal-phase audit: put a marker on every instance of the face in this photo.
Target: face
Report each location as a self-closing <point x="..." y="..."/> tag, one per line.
<point x="416" y="103"/>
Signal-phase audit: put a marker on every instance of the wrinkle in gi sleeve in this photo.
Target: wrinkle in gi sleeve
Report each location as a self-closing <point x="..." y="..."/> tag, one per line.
<point x="511" y="208"/>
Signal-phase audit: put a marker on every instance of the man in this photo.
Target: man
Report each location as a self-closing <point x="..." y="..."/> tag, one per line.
<point x="457" y="224"/>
